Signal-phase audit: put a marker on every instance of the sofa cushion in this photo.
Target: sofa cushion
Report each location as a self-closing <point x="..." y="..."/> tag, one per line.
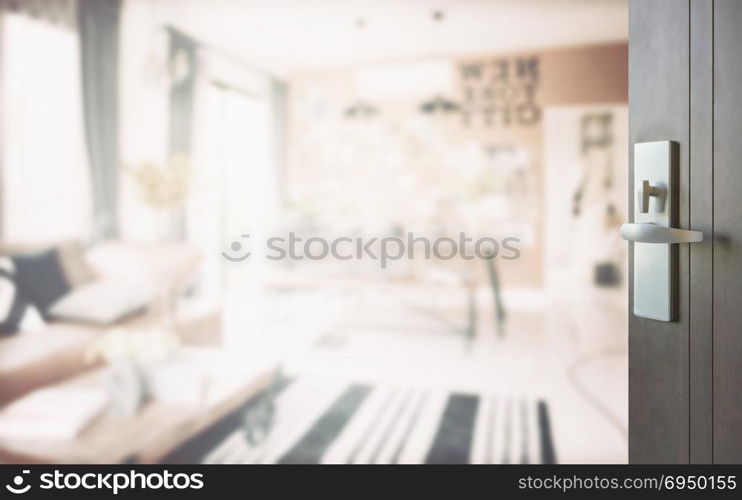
<point x="71" y="255"/>
<point x="76" y="270"/>
<point x="40" y="278"/>
<point x="165" y="267"/>
<point x="12" y="303"/>
<point x="102" y="302"/>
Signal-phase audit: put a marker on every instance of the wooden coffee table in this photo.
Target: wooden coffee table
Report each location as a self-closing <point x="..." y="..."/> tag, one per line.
<point x="147" y="437"/>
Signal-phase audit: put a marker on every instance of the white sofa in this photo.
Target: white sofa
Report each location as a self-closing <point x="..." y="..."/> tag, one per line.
<point x="44" y="353"/>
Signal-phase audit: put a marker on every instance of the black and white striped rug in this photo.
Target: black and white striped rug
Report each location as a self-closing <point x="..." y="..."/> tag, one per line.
<point x="384" y="424"/>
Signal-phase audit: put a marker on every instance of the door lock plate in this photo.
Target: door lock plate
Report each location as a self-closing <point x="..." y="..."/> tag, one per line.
<point x="655" y="265"/>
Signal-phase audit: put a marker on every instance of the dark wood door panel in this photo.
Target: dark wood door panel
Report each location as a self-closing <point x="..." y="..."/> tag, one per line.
<point x="659" y="95"/>
<point x="727" y="324"/>
<point x="685" y="378"/>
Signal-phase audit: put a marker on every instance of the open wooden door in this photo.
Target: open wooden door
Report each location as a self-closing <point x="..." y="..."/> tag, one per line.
<point x="685" y="376"/>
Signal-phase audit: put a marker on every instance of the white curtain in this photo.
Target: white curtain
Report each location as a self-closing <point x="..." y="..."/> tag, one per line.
<point x="44" y="173"/>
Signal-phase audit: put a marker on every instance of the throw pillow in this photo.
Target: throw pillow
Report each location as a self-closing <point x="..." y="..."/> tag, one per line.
<point x="12" y="304"/>
<point x="41" y="279"/>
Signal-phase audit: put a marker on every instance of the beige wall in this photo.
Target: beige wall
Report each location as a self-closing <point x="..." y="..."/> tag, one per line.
<point x="404" y="169"/>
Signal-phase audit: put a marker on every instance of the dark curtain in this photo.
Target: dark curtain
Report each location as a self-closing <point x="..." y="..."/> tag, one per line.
<point x="98" y="24"/>
<point x="182" y="64"/>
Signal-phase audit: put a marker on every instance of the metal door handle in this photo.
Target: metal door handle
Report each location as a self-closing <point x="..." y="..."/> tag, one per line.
<point x="652" y="233"/>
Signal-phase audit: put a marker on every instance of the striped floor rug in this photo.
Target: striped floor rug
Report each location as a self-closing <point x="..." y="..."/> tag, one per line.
<point x="375" y="424"/>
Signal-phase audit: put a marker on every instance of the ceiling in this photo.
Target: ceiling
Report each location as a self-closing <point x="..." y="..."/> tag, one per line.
<point x="288" y="36"/>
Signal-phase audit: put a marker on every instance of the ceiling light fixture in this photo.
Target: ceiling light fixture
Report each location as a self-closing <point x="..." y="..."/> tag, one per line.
<point x="360" y="109"/>
<point x="439" y="104"/>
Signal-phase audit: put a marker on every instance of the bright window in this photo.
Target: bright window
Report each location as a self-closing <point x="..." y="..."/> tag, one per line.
<point x="45" y="176"/>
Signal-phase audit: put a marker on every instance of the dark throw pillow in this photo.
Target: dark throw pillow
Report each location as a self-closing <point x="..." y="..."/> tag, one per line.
<point x="41" y="279"/>
<point x="12" y="304"/>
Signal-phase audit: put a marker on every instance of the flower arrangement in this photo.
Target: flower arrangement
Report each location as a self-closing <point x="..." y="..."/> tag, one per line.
<point x="141" y="346"/>
<point x="164" y="185"/>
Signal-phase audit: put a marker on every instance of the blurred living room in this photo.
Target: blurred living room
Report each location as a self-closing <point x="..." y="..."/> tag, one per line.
<point x="313" y="231"/>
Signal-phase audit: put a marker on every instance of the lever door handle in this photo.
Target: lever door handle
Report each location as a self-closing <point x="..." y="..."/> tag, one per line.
<point x="652" y="233"/>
